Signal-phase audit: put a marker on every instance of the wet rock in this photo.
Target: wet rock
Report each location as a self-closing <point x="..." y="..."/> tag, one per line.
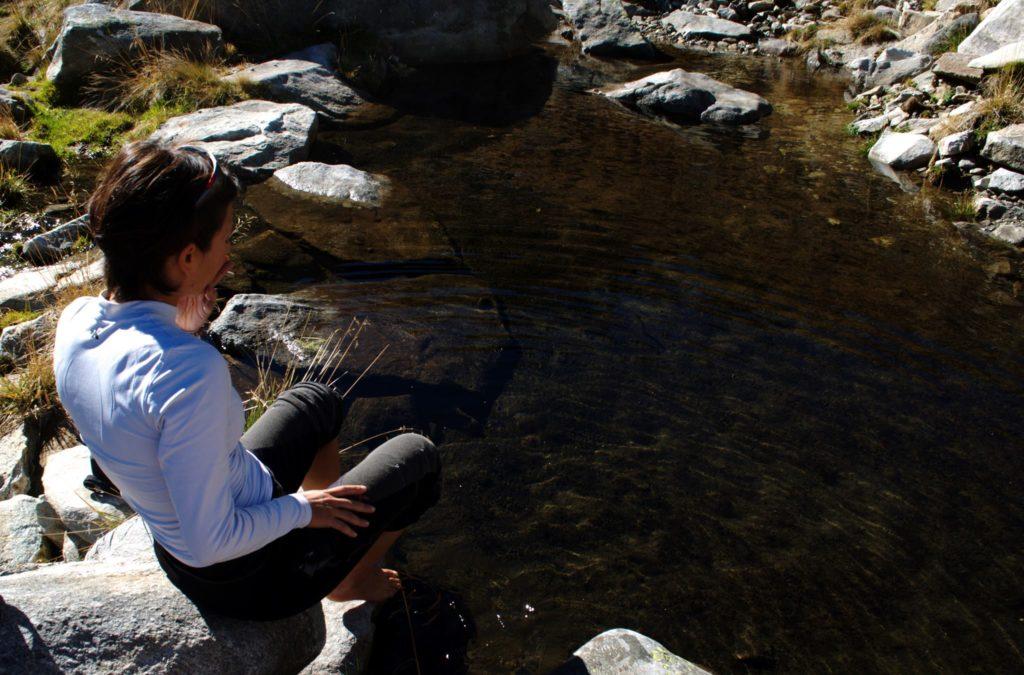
<point x="1004" y="25"/>
<point x="604" y="29"/>
<point x="36" y="159"/>
<point x="304" y="82"/>
<point x="956" y="144"/>
<point x="348" y="641"/>
<point x="58" y="243"/>
<point x="1006" y="147"/>
<point x="15" y="105"/>
<point x="19" y="462"/>
<point x="692" y="26"/>
<point x="337" y="183"/>
<point x="933" y="38"/>
<point x="20" y="339"/>
<point x="690" y="97"/>
<point x="624" y="651"/>
<point x="95" y="38"/>
<point x="34" y="288"/>
<point x="22" y="537"/>
<point x="902" y="151"/>
<point x="1000" y="58"/>
<point x="1002" y="180"/>
<point x="123" y="617"/>
<point x="255" y="138"/>
<point x="955" y="67"/>
<point x="324" y="54"/>
<point x="84" y="513"/>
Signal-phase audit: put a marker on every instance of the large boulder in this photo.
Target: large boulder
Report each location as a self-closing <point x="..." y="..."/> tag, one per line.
<point x="1004" y="25"/>
<point x="604" y="29"/>
<point x="697" y="26"/>
<point x="35" y="288"/>
<point x="690" y="97"/>
<point x="1007" y="55"/>
<point x="891" y="66"/>
<point x="36" y="159"/>
<point x="624" y="651"/>
<point x="1006" y="147"/>
<point x="24" y="524"/>
<point x="19" y="461"/>
<point x="86" y="515"/>
<point x="902" y="151"/>
<point x="305" y="82"/>
<point x="416" y="31"/>
<point x="117" y="616"/>
<point x="21" y="339"/>
<point x="954" y="145"/>
<point x="96" y="38"/>
<point x="49" y="247"/>
<point x="933" y="38"/>
<point x="1002" y="180"/>
<point x="255" y="138"/>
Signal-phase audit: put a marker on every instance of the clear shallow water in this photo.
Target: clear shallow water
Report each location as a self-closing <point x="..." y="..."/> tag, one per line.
<point x="767" y="406"/>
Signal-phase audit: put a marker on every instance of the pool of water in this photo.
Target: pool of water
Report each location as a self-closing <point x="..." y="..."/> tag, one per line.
<point x="766" y="408"/>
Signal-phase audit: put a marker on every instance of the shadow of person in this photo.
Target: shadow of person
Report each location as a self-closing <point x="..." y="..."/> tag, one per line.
<point x="22" y="649"/>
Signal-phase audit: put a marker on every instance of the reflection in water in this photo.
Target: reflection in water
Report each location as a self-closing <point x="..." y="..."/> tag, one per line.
<point x="767" y="404"/>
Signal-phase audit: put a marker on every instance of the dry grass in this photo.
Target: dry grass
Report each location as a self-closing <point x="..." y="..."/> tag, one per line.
<point x="878" y="34"/>
<point x="14" y="187"/>
<point x="9" y="129"/>
<point x="867" y="28"/>
<point x="27" y="28"/>
<point x="1003" y="104"/>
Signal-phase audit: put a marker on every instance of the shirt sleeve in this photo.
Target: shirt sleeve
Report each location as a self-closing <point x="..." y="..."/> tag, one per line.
<point x="198" y="420"/>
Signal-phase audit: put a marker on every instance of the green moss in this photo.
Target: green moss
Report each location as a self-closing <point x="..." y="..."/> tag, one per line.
<point x="12" y="317"/>
<point x="68" y="129"/>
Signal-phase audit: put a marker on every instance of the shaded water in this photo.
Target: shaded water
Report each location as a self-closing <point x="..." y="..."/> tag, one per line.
<point x="767" y="406"/>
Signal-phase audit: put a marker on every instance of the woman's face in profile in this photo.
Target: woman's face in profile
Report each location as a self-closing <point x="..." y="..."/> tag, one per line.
<point x="212" y="261"/>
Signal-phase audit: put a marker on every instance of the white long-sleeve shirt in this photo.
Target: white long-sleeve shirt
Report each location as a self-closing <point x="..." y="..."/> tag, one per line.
<point x="157" y="410"/>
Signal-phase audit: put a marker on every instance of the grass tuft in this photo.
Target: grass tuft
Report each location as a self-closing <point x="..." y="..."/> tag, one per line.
<point x="9" y="129"/>
<point x="962" y="208"/>
<point x="950" y="42"/>
<point x="14" y="187"/>
<point x="72" y="131"/>
<point x="1003" y="103"/>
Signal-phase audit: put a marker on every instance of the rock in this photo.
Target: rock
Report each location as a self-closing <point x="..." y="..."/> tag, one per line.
<point x="349" y="639"/>
<point x="1000" y="58"/>
<point x="324" y="54"/>
<point x="417" y="32"/>
<point x="956" y="144"/>
<point x="20" y="339"/>
<point x="624" y="651"/>
<point x="887" y="14"/>
<point x="690" y="97"/>
<point x="272" y="253"/>
<point x="71" y="552"/>
<point x="911" y="21"/>
<point x="1011" y="233"/>
<point x="34" y="288"/>
<point x="59" y="242"/>
<point x="121" y="617"/>
<point x="129" y="542"/>
<point x="902" y="151"/>
<point x="916" y="125"/>
<point x="871" y="125"/>
<point x="15" y="105"/>
<point x="338" y="183"/>
<point x="1003" y="26"/>
<point x="935" y="37"/>
<point x="36" y="159"/>
<point x="304" y="82"/>
<point x="692" y="26"/>
<point x="604" y="29"/>
<point x="255" y="138"/>
<point x="19" y="462"/>
<point x="1006" y="147"/>
<point x="1002" y="180"/>
<point x="776" y="47"/>
<point x="989" y="208"/>
<point x="84" y="513"/>
<point x="95" y="38"/>
<point x="23" y="539"/>
<point x="895" y="65"/>
<point x="956" y="68"/>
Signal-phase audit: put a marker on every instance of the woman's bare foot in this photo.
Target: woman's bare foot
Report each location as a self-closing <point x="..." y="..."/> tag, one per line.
<point x="374" y="585"/>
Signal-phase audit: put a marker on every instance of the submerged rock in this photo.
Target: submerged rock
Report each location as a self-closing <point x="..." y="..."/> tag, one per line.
<point x="697" y="26"/>
<point x="1004" y="25"/>
<point x="87" y="515"/>
<point x="36" y="159"/>
<point x="304" y="82"/>
<point x="691" y="97"/>
<point x="255" y="138"/>
<point x="624" y="651"/>
<point x="96" y="38"/>
<point x="336" y="182"/>
<point x="902" y="151"/>
<point x="604" y="29"/>
<point x="1000" y="58"/>
<point x="1006" y="147"/>
<point x="23" y="541"/>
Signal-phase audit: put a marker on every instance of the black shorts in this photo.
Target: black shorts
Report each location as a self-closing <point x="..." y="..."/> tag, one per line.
<point x="299" y="569"/>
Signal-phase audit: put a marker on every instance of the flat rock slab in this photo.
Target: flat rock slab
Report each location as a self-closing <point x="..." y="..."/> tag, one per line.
<point x="1004" y="25"/>
<point x="902" y="150"/>
<point x="34" y="288"/>
<point x="1006" y="147"/>
<point x="1000" y="58"/>
<point x="123" y="617"/>
<point x="1002" y="180"/>
<point x="697" y="26"/>
<point x="690" y="97"/>
<point x="23" y="540"/>
<point x="304" y="82"/>
<point x="85" y="514"/>
<point x="96" y="38"/>
<point x="604" y="29"/>
<point x="255" y="138"/>
<point x="957" y="68"/>
<point x="337" y="183"/>
<point x="934" y="37"/>
<point x="36" y="159"/>
<point x="624" y="651"/>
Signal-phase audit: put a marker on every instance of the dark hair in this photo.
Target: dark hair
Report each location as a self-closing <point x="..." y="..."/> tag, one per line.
<point x="153" y="201"/>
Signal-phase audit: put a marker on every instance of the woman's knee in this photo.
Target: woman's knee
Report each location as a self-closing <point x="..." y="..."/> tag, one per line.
<point x="320" y="404"/>
<point x="420" y="449"/>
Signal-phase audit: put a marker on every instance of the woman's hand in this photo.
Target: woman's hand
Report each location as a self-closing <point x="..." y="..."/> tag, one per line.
<point x="333" y="508"/>
<point x="195" y="308"/>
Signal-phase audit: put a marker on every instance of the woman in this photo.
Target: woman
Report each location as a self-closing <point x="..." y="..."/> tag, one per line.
<point x="256" y="525"/>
